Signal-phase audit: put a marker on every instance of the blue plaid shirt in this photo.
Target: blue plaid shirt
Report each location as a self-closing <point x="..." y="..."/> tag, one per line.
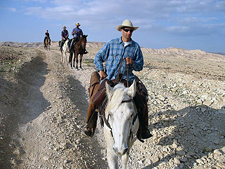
<point x="113" y="53"/>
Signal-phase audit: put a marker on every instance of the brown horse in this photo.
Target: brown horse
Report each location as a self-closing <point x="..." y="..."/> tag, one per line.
<point x="78" y="49"/>
<point x="47" y="43"/>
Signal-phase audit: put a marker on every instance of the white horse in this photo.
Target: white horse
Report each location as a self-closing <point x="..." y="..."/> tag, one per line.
<point x="120" y="123"/>
<point x="65" y="49"/>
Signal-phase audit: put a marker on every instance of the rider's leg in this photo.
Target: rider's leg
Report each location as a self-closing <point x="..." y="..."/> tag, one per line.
<point x="91" y="119"/>
<point x="141" y="100"/>
<point x="71" y="44"/>
<point x="61" y="44"/>
<point x="141" y="103"/>
<point x="44" y="41"/>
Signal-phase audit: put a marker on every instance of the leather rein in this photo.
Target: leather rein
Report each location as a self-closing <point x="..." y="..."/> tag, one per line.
<point x="118" y="79"/>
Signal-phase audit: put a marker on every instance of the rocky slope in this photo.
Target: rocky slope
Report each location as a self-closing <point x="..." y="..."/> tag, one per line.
<point x="43" y="106"/>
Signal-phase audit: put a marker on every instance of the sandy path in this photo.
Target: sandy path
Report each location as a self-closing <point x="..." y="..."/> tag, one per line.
<point x="49" y="117"/>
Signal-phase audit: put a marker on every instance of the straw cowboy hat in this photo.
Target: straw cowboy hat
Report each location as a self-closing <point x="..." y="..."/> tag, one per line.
<point x="77" y="24"/>
<point x="64" y="26"/>
<point x="126" y="23"/>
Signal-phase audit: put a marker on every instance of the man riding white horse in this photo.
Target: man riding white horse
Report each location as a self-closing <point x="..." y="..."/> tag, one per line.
<point x="122" y="56"/>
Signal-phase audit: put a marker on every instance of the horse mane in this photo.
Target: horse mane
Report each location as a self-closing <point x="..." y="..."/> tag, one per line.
<point x="119" y="94"/>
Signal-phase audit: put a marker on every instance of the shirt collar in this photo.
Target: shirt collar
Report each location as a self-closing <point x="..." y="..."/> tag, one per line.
<point x="120" y="40"/>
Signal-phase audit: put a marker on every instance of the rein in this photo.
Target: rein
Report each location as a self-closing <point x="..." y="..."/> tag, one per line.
<point x="118" y="79"/>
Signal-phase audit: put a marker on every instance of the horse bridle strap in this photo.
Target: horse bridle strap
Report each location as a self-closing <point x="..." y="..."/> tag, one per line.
<point x="126" y="101"/>
<point x="106" y="121"/>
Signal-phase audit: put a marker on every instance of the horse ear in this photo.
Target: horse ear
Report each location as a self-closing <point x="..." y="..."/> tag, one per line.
<point x="132" y="89"/>
<point x="109" y="90"/>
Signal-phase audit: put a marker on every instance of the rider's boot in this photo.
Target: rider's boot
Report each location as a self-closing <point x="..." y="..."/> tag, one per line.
<point x="91" y="119"/>
<point x="143" y="131"/>
<point x="145" y="134"/>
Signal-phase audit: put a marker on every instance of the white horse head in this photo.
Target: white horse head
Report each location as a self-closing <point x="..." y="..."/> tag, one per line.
<point x="121" y="123"/>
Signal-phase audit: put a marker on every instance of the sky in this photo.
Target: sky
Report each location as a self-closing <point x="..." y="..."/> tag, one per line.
<point x="187" y="24"/>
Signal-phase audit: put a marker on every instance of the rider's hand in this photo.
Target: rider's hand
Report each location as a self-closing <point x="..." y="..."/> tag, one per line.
<point x="129" y="61"/>
<point x="102" y="74"/>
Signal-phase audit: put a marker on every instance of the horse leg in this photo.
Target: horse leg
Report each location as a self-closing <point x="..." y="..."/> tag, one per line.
<point x="81" y="57"/>
<point x="65" y="60"/>
<point x="71" y="59"/>
<point x="64" y="55"/>
<point x="76" y="61"/>
<point x="124" y="160"/>
<point x="112" y="158"/>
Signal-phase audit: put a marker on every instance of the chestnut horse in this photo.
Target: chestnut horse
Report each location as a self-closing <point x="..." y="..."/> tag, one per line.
<point x="78" y="49"/>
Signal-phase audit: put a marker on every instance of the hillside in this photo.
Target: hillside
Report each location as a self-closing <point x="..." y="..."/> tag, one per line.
<point x="43" y="106"/>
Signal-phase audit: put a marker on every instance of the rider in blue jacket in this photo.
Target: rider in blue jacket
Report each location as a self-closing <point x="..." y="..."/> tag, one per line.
<point x="77" y="33"/>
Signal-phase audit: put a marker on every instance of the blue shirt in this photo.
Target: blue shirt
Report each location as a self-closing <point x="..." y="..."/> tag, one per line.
<point x="64" y="34"/>
<point x="113" y="53"/>
<point x="77" y="32"/>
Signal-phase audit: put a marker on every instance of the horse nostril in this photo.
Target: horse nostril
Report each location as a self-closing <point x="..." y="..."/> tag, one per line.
<point x="125" y="150"/>
<point x="115" y="149"/>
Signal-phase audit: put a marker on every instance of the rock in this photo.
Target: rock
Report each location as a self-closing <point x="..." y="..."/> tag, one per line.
<point x="176" y="161"/>
<point x="199" y="161"/>
<point x="218" y="152"/>
<point x="180" y="153"/>
<point x="46" y="158"/>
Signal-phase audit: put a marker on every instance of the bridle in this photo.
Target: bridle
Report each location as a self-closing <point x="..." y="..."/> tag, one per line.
<point x="106" y="121"/>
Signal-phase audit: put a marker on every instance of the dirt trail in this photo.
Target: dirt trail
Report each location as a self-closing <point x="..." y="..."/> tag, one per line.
<point x="49" y="107"/>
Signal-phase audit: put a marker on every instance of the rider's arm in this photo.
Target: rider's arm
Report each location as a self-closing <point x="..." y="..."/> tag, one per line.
<point x="101" y="57"/>
<point x="138" y="61"/>
<point x="62" y="35"/>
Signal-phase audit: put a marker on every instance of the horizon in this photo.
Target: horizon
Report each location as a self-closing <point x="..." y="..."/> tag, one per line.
<point x="190" y="25"/>
<point x="140" y="46"/>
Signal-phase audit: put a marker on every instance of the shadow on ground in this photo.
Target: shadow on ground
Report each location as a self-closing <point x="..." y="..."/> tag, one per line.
<point x="90" y="147"/>
<point x="198" y="131"/>
<point x="20" y="102"/>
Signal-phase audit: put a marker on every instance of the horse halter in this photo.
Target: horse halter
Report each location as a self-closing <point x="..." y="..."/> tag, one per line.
<point x="106" y="121"/>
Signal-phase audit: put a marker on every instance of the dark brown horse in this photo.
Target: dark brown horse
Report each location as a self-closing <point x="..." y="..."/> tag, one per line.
<point x="78" y="49"/>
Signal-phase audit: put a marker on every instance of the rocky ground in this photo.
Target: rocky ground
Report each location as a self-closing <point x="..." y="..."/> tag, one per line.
<point x="43" y="106"/>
